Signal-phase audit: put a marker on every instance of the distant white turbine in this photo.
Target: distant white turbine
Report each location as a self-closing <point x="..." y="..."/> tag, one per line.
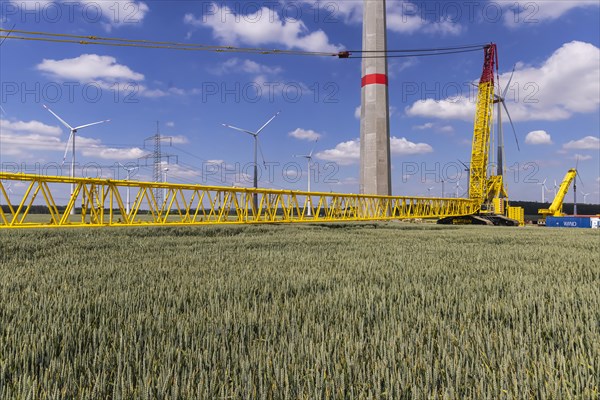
<point x="129" y="171"/>
<point x="309" y="162"/>
<point x="72" y="138"/>
<point x="458" y="188"/>
<point x="544" y="189"/>
<point x="255" y="136"/>
<point x="585" y="195"/>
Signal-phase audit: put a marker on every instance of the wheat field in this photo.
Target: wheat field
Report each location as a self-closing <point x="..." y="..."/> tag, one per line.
<point x="340" y="311"/>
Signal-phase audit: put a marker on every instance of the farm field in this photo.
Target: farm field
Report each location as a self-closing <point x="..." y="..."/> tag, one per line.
<point x="381" y="311"/>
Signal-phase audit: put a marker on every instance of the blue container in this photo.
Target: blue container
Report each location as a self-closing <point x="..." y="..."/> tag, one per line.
<point x="569" y="222"/>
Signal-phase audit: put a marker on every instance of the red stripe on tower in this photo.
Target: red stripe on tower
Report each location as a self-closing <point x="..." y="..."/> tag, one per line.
<point x="374" y="79"/>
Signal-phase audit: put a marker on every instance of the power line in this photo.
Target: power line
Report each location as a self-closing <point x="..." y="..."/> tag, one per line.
<point x="166" y="45"/>
<point x="141" y="43"/>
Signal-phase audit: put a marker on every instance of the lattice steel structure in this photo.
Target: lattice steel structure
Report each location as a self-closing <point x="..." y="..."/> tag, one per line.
<point x="99" y="202"/>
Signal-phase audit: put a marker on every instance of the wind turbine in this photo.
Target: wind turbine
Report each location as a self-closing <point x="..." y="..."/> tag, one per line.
<point x="72" y="138"/>
<point x="544" y="188"/>
<point x="458" y="188"/>
<point x="255" y="136"/>
<point x="500" y="99"/>
<point x="468" y="171"/>
<point x="429" y="191"/>
<point x="575" y="186"/>
<point x="585" y="195"/>
<point x="309" y="161"/>
<point x="129" y="171"/>
<point x="555" y="188"/>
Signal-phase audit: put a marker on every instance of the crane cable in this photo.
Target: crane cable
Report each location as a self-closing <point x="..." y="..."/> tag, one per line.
<point x="152" y="44"/>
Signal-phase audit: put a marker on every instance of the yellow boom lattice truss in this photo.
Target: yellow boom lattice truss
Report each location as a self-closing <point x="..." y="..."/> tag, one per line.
<point x="481" y="142"/>
<point x="99" y="202"/>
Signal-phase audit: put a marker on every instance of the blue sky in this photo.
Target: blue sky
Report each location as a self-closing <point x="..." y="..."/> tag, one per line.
<point x="554" y="98"/>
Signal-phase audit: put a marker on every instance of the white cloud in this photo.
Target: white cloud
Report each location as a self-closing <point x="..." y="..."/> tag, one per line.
<point x="455" y="108"/>
<point x="29" y="126"/>
<point x="89" y="68"/>
<point x="263" y="27"/>
<point x="434" y="126"/>
<point x="531" y="13"/>
<point x="234" y="65"/>
<point x="111" y="14"/>
<point x="538" y="137"/>
<point x="587" y="143"/>
<point x="347" y="153"/>
<point x="304" y="134"/>
<point x="428" y="125"/>
<point x="565" y="84"/>
<point x="581" y="157"/>
<point x="179" y="139"/>
<point x="170" y="124"/>
<point x="402" y="146"/>
<point x="406" y="17"/>
<point x="20" y="138"/>
<point x="403" y="17"/>
<point x="105" y="73"/>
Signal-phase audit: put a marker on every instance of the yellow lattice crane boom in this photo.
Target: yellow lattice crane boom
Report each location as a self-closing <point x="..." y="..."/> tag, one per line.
<point x="478" y="183"/>
<point x="488" y="191"/>
<point x="555" y="209"/>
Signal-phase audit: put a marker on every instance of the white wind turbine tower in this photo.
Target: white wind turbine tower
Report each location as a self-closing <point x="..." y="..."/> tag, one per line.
<point x="309" y="162"/>
<point x="585" y="195"/>
<point x="72" y="139"/>
<point x="255" y="136"/>
<point x="544" y="189"/>
<point x="458" y="188"/>
<point x="129" y="171"/>
<point x="500" y="100"/>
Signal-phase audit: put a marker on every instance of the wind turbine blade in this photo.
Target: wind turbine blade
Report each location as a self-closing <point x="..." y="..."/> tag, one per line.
<point x="93" y="123"/>
<point x="579" y="177"/>
<point x="512" y="125"/>
<point x="268" y="122"/>
<point x="2" y="110"/>
<point x="313" y="149"/>
<point x="239" y="129"/>
<point x="67" y="149"/>
<point x="465" y="165"/>
<point x="58" y="118"/>
<point x="509" y="81"/>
